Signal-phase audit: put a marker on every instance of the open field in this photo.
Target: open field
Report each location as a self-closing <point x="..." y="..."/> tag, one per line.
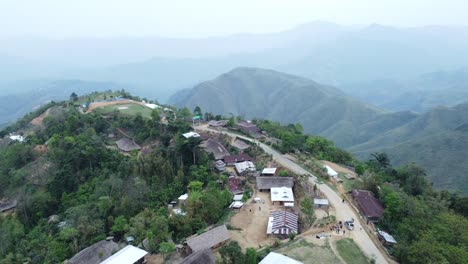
<point x="350" y="252"/>
<point x="310" y="253"/>
<point x="253" y="220"/>
<point x="126" y="107"/>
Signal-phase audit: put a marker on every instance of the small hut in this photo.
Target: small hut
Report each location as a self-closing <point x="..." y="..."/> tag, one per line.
<point x="127" y="145"/>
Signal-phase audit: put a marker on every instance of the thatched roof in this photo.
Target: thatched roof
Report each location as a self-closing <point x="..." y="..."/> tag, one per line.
<point x="216" y="148"/>
<point x="127" y="145"/>
<point x="8" y="205"/>
<point x="240" y="144"/>
<point x="204" y="256"/>
<point x="209" y="239"/>
<point x="264" y="183"/>
<point x="95" y="253"/>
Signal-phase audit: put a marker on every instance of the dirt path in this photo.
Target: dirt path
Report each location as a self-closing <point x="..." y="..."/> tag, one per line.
<point x="38" y="120"/>
<point x="343" y="210"/>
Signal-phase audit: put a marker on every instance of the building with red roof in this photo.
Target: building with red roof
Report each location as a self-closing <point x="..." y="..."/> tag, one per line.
<point x="369" y="206"/>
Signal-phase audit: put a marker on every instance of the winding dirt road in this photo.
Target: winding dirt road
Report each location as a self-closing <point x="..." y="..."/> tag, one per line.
<point x="343" y="210"/>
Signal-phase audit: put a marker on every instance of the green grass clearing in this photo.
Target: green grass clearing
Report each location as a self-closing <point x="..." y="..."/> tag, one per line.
<point x="347" y="184"/>
<point x="309" y="253"/>
<point x="127" y="109"/>
<point x="350" y="252"/>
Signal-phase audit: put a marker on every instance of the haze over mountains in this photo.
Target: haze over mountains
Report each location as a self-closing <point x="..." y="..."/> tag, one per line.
<point x="436" y="139"/>
<point x="368" y="88"/>
<point x="342" y="56"/>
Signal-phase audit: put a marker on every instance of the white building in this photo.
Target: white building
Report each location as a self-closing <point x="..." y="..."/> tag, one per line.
<point x="269" y="171"/>
<point x="283" y="195"/>
<point x="245" y="167"/>
<point x="331" y="172"/>
<point x="183" y="198"/>
<point x="275" y="258"/>
<point x="18" y="138"/>
<point x="321" y="203"/>
<point x="191" y="134"/>
<point x="127" y="255"/>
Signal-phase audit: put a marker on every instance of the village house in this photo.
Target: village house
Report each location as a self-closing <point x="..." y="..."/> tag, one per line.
<point x="266" y="183"/>
<point x="220" y="165"/>
<point x="245" y="167"/>
<point x="95" y="253"/>
<point x="7" y="206"/>
<point x="191" y="135"/>
<point x="234" y="185"/>
<point x="127" y="255"/>
<point x="282" y="195"/>
<point x="369" y="206"/>
<point x="204" y="256"/>
<point x="249" y="129"/>
<point x="386" y="239"/>
<point x="217" y="123"/>
<point x="183" y="198"/>
<point x="211" y="239"/>
<point x="282" y="223"/>
<point x="214" y="147"/>
<point x="231" y="160"/>
<point x="321" y="203"/>
<point x="268" y="172"/>
<point x="237" y="202"/>
<point x="275" y="258"/>
<point x="127" y="145"/>
<point x="240" y="144"/>
<point x="331" y="172"/>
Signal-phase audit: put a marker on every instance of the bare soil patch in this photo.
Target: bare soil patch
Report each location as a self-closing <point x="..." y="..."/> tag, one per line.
<point x="95" y="105"/>
<point x="38" y="120"/>
<point x="253" y="220"/>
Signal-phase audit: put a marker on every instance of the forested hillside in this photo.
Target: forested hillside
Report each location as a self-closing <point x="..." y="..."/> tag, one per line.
<point x="428" y="138"/>
<point x="74" y="188"/>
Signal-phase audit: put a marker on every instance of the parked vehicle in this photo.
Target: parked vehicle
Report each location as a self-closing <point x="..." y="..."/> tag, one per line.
<point x="349" y="224"/>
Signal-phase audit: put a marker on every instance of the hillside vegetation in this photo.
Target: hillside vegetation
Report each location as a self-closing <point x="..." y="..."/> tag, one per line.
<point x="326" y="111"/>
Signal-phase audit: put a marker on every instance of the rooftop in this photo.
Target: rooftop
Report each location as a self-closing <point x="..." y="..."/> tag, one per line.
<point x="269" y="171"/>
<point x="204" y="256"/>
<point x="282" y="223"/>
<point x="191" y="134"/>
<point x="234" y="185"/>
<point x="127" y="145"/>
<point x="95" y="253"/>
<point x="216" y="148"/>
<point x="321" y="201"/>
<point x="183" y="197"/>
<point x="127" y="255"/>
<point x="240" y="144"/>
<point x="282" y="194"/>
<point x="331" y="172"/>
<point x="275" y="258"/>
<point x="387" y="237"/>
<point x="209" y="239"/>
<point x="371" y="206"/>
<point x="245" y="166"/>
<point x="237" y="158"/>
<point x="269" y="182"/>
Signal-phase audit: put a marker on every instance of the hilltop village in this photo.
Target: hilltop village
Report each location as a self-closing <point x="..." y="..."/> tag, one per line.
<point x="142" y="182"/>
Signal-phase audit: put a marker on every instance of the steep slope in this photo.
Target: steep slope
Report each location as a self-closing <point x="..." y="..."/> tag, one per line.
<point x="259" y="93"/>
<point x="437" y="140"/>
<point x="420" y="94"/>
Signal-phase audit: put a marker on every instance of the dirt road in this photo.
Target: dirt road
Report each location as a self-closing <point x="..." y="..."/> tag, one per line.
<point x="343" y="210"/>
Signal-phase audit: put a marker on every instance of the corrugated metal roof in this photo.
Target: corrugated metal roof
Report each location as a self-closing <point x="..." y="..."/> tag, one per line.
<point x="275" y="258"/>
<point x="282" y="223"/>
<point x="127" y="255"/>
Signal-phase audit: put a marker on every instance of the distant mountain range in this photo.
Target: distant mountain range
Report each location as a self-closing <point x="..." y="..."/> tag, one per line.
<point x="339" y="55"/>
<point x="436" y="139"/>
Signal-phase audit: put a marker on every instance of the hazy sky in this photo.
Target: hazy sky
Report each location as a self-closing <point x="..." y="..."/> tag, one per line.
<point x="199" y="18"/>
